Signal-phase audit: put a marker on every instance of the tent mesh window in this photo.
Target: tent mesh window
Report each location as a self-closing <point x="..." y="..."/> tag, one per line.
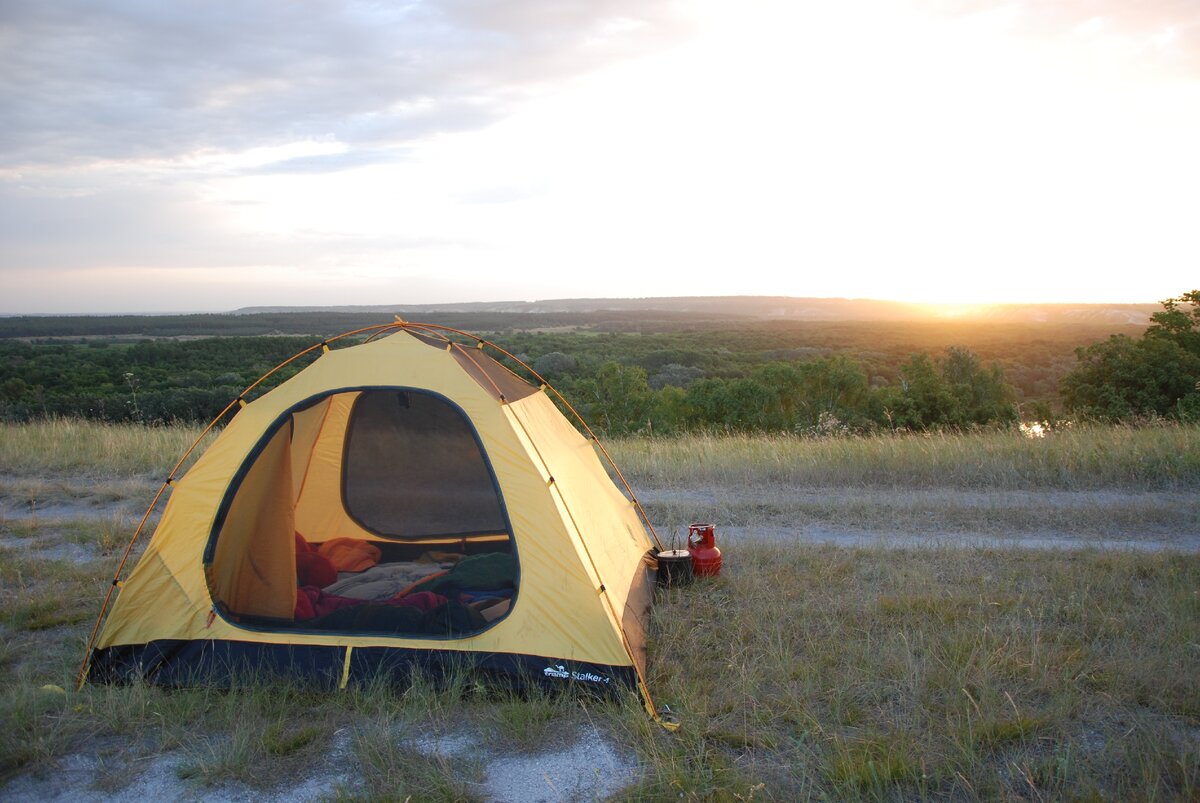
<point x="405" y="535"/>
<point x="413" y="469"/>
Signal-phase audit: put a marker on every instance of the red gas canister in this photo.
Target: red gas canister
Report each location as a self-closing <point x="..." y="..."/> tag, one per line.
<point x="702" y="543"/>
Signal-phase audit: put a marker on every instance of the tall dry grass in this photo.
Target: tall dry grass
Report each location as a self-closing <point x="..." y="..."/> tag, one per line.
<point x="1151" y="457"/>
<point x="857" y="674"/>
<point x="67" y="445"/>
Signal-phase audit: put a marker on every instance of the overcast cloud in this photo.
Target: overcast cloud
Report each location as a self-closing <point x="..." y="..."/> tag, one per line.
<point x="85" y="81"/>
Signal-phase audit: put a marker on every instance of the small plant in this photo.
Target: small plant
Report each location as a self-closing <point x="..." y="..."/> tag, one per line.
<point x="283" y="738"/>
<point x="211" y="760"/>
<point x="527" y="719"/>
<point x="135" y="411"/>
<point x="393" y="770"/>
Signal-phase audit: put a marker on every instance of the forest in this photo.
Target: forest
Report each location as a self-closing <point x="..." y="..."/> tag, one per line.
<point x="649" y="372"/>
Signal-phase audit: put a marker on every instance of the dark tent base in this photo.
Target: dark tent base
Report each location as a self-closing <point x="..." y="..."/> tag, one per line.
<point x="180" y="664"/>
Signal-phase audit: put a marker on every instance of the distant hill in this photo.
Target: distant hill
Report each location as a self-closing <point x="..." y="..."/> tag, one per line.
<point x="593" y="314"/>
<point x="767" y="307"/>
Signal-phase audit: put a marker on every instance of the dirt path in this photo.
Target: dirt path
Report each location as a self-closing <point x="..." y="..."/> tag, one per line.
<point x="903" y="518"/>
<point x="852" y="517"/>
<point x="1189" y="542"/>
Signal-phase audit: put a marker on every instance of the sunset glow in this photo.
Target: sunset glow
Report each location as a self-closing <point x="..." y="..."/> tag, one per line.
<point x="1020" y="152"/>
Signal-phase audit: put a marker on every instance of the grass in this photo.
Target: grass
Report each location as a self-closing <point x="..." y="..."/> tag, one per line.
<point x="65" y="446"/>
<point x="827" y="672"/>
<point x="64" y="467"/>
<point x="802" y="672"/>
<point x="1162" y="456"/>
<point x="1081" y="516"/>
<point x="1150" y="457"/>
<point x="1081" y="484"/>
<point x="812" y="672"/>
<point x="394" y="770"/>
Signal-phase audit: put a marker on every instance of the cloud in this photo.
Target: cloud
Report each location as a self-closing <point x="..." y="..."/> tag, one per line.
<point x="1158" y="36"/>
<point x="325" y="163"/>
<point x="761" y="147"/>
<point x="138" y="226"/>
<point x="83" y="81"/>
<point x="157" y="227"/>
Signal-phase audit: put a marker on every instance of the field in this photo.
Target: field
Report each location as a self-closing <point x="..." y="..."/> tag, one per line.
<point x="949" y="616"/>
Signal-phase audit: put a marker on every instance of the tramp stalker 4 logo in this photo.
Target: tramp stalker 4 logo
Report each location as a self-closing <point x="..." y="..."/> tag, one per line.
<point x="563" y="673"/>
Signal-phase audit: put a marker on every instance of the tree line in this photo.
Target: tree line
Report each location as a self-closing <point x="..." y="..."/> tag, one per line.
<point x="155" y="381"/>
<point x="826" y="395"/>
<point x="656" y="382"/>
<point x="163" y="381"/>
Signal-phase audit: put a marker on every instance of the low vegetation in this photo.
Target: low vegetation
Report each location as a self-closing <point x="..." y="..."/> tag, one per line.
<point x="1152" y="456"/>
<point x="665" y="374"/>
<point x="139" y="382"/>
<point x="57" y="446"/>
<point x="950" y="674"/>
<point x="803" y="672"/>
<point x="158" y="382"/>
<point x="1157" y="374"/>
<point x="1160" y="456"/>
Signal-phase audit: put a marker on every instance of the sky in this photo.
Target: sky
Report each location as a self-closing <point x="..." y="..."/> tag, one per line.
<point x="206" y="156"/>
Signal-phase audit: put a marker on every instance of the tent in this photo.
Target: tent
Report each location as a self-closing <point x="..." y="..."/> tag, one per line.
<point x="449" y="500"/>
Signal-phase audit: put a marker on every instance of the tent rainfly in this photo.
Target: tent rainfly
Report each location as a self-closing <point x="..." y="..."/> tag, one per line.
<point x="404" y="502"/>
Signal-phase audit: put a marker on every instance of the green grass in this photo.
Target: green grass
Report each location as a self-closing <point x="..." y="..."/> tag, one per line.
<point x="803" y="672"/>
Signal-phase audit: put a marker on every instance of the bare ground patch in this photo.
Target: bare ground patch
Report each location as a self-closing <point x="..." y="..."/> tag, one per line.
<point x="870" y="516"/>
<point x="65" y="497"/>
<point x="582" y="764"/>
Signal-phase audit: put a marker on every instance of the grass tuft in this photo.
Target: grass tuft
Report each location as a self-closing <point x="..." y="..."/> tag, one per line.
<point x="216" y="759"/>
<point x="282" y="738"/>
<point x="392" y="769"/>
<point x="526" y="722"/>
<point x="872" y="765"/>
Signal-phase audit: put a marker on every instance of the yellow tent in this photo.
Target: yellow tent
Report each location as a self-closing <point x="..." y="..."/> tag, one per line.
<point x="448" y="500"/>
